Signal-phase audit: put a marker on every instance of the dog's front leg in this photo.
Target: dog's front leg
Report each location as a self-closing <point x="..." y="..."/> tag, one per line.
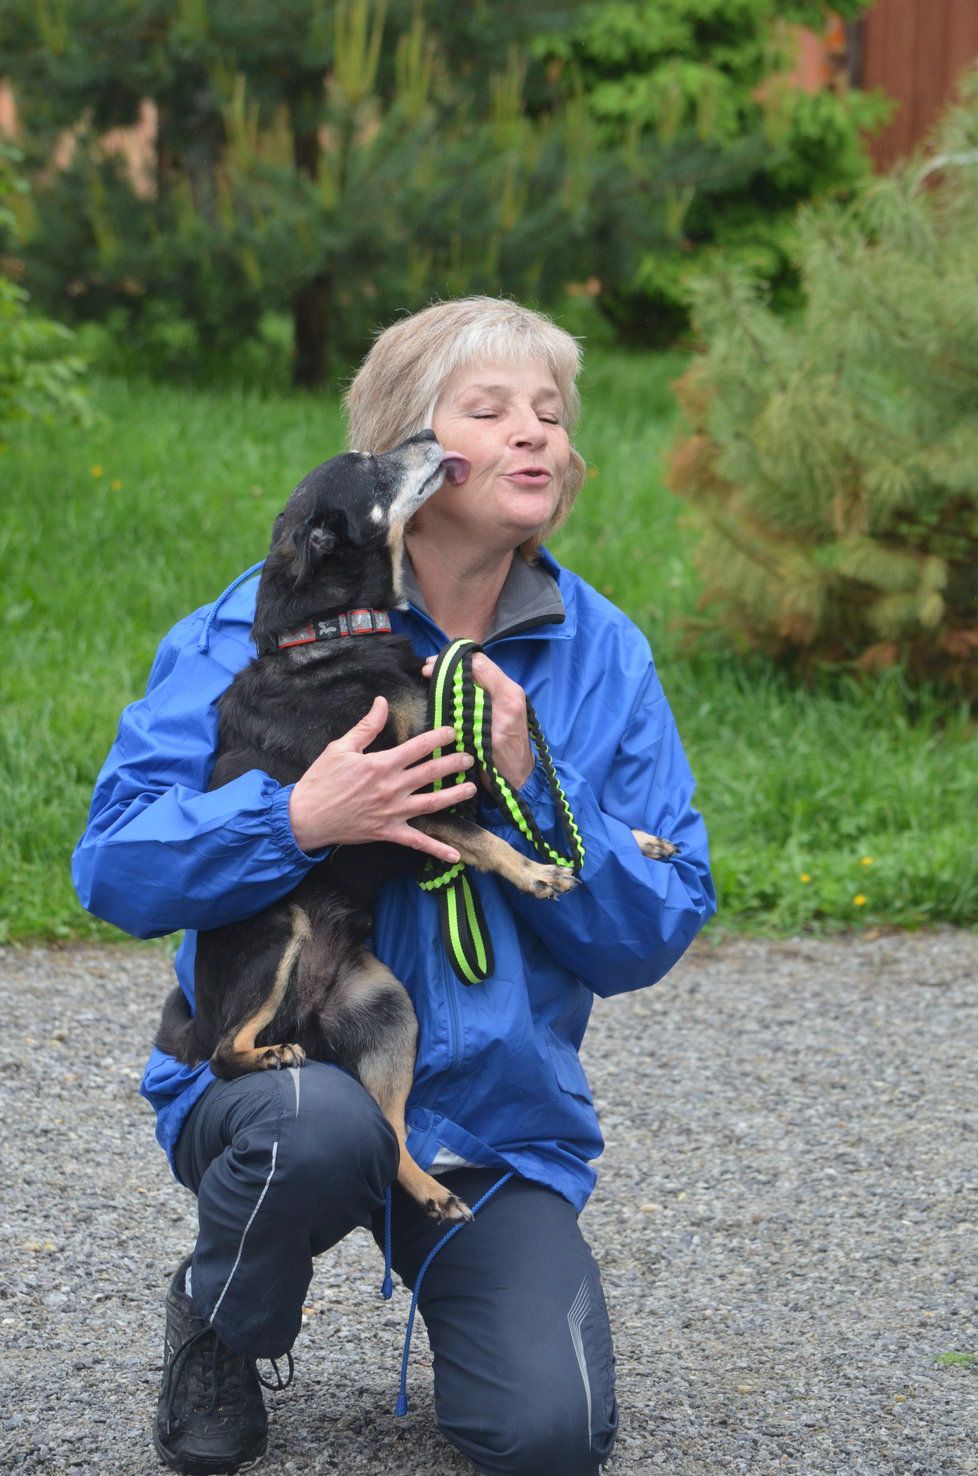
<point x="488" y="852"/>
<point x="654" y="846"/>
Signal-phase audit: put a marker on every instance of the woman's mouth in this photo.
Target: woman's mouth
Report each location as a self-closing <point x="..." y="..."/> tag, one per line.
<point x="530" y="476"/>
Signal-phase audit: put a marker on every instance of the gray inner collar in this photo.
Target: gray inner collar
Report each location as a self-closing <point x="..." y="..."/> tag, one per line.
<point x="529" y="596"/>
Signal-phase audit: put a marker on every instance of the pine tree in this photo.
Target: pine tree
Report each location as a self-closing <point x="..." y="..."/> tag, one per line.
<point x="724" y="147"/>
<point x="832" y="465"/>
<point x="41" y="377"/>
<point x="342" y="161"/>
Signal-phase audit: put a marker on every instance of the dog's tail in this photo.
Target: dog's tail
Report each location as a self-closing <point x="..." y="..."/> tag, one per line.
<point x="177" y="1035"/>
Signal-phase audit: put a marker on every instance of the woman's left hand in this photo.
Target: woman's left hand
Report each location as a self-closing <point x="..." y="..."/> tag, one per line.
<point x="511" y="750"/>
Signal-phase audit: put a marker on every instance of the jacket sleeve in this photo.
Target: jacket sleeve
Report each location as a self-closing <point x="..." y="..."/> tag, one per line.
<point x="160" y="852"/>
<point x="632" y="918"/>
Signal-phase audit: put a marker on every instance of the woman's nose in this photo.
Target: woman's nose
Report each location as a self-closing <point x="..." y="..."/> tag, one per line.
<point x="527" y="428"/>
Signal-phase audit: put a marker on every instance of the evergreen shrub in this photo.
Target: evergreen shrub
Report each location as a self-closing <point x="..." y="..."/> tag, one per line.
<point x="337" y="164"/>
<point x="41" y="377"/>
<point x="723" y="146"/>
<point x="831" y="462"/>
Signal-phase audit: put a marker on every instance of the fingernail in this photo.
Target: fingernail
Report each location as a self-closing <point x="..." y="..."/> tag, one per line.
<point x="467" y="761"/>
<point x="453" y="856"/>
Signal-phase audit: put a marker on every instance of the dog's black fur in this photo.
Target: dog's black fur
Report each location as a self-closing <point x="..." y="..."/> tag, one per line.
<point x="297" y="979"/>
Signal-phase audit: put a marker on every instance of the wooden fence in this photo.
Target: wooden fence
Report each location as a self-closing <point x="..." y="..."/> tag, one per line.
<point x="916" y="51"/>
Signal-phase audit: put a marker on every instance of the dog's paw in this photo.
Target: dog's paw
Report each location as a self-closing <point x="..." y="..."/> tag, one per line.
<point x="549" y="882"/>
<point x="447" y="1207"/>
<point x="654" y="846"/>
<point x="279" y="1057"/>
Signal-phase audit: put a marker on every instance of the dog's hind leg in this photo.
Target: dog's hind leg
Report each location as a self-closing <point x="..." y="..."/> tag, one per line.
<point x="372" y="1029"/>
<point x="236" y="1053"/>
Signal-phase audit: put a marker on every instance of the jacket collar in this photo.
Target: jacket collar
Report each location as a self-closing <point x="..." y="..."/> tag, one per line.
<point x="530" y="599"/>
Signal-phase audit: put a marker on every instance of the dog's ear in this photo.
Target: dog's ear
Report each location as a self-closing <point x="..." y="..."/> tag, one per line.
<point x="313" y="542"/>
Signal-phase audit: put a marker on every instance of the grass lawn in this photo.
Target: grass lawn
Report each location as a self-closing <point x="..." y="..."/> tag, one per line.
<point x="814" y="800"/>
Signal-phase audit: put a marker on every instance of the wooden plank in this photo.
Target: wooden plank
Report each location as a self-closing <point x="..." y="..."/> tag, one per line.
<point x="885" y="29"/>
<point x="962" y="39"/>
<point x="928" y="69"/>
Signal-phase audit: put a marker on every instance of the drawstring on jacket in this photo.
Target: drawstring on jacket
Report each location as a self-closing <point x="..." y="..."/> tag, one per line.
<point x="387" y="1288"/>
<point x="204" y="642"/>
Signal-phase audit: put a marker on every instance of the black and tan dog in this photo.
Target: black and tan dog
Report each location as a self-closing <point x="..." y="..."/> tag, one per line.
<point x="297" y="979"/>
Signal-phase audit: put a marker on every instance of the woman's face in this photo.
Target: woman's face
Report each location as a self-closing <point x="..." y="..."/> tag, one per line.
<point x="506" y="419"/>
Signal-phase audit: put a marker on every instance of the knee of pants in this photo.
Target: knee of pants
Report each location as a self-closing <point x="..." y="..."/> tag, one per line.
<point x="538" y="1443"/>
<point x="336" y="1140"/>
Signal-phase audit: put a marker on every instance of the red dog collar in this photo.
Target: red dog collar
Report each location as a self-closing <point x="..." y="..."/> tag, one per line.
<point x="331" y="627"/>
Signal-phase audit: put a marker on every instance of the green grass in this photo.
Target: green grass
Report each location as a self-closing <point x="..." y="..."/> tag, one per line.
<point x="791" y="782"/>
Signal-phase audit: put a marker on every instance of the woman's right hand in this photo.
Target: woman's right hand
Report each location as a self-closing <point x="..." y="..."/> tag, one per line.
<point x="349" y="797"/>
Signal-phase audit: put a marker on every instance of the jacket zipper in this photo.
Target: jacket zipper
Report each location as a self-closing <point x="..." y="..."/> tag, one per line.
<point x="449" y="982"/>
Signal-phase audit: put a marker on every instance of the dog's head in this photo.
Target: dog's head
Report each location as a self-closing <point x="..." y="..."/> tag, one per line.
<point x="338" y="543"/>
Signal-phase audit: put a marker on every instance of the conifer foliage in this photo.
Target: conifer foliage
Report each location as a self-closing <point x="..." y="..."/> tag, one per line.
<point x="339" y="162"/>
<point x="699" y="93"/>
<point x="832" y="462"/>
<point x="40" y="378"/>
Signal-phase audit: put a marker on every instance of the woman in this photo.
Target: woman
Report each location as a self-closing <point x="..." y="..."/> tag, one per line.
<point x="523" y="1358"/>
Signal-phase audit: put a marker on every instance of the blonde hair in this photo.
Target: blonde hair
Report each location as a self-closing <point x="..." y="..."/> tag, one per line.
<point x="397" y="387"/>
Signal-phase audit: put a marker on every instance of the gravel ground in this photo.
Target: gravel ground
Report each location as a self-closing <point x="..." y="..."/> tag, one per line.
<point x="785" y="1222"/>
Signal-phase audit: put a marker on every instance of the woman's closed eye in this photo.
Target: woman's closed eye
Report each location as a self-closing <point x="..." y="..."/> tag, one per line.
<point x="491" y="415"/>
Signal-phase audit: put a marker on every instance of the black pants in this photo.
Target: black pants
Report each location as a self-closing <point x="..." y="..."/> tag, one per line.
<point x="285" y="1163"/>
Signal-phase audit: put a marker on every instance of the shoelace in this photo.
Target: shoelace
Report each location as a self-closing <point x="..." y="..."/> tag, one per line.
<point x="280" y="1383"/>
<point x="207" y="1382"/>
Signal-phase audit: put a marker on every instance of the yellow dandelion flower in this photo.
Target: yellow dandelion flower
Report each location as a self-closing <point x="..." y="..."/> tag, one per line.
<point x="115" y="484"/>
<point x="859" y="900"/>
<point x="592" y="472"/>
<point x="96" y="471"/>
<point x="804" y="877"/>
<point x="865" y="860"/>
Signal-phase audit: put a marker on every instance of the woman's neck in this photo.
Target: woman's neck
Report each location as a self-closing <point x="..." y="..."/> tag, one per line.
<point x="461" y="590"/>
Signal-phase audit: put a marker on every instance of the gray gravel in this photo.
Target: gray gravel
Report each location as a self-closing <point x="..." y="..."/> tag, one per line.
<point x="785" y="1221"/>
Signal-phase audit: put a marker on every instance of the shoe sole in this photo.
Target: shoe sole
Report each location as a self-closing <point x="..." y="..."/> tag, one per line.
<point x="189" y="1466"/>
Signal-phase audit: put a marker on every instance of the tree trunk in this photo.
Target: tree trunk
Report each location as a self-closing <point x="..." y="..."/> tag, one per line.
<point x="310" y="330"/>
<point x="310" y="306"/>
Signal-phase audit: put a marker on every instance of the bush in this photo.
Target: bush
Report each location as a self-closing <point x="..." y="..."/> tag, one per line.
<point x="832" y="465"/>
<point x="38" y="378"/>
<point x="342" y="172"/>
<point x="724" y="149"/>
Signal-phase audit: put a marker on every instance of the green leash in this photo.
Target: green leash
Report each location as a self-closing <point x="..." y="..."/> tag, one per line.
<point x="456" y="700"/>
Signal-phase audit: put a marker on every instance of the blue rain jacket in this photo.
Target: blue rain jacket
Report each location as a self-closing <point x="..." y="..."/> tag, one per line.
<point x="498" y="1080"/>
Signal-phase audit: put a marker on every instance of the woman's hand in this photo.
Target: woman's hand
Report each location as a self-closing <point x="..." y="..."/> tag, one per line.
<point x="511" y="750"/>
<point x="349" y="797"/>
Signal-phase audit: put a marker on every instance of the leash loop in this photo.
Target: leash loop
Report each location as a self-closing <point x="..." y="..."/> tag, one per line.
<point x="455" y="699"/>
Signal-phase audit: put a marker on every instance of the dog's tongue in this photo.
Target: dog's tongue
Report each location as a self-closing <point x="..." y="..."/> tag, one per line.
<point x="457" y="468"/>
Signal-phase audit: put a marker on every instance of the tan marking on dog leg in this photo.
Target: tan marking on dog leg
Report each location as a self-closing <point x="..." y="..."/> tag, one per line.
<point x="488" y="852"/>
<point x="407" y="716"/>
<point x="237" y="1054"/>
<point x="654" y="846"/>
<point x="387" y="1072"/>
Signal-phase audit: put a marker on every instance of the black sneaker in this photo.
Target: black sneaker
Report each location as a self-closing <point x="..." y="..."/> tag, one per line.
<point x="211" y="1416"/>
